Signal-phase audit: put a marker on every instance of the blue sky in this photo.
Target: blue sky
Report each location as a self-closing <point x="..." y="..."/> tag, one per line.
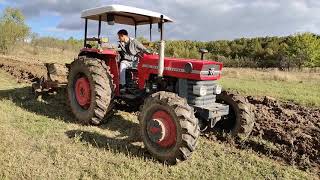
<point x="194" y="20"/>
<point x="45" y="24"/>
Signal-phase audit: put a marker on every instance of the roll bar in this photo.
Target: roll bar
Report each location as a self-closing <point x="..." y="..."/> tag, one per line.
<point x="161" y="23"/>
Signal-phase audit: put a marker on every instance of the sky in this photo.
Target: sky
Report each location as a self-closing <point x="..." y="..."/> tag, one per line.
<point x="202" y="20"/>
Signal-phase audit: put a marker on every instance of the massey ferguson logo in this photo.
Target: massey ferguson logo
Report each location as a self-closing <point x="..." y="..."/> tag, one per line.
<point x="211" y="71"/>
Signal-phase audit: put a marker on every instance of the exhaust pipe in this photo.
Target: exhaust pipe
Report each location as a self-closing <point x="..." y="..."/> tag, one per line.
<point x="161" y="59"/>
<point x="161" y="53"/>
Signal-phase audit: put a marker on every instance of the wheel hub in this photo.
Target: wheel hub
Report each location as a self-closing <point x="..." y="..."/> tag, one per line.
<point x="83" y="92"/>
<point x="161" y="129"/>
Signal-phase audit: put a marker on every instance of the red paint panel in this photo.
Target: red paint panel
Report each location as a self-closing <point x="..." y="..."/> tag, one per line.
<point x="152" y="60"/>
<point x="98" y="51"/>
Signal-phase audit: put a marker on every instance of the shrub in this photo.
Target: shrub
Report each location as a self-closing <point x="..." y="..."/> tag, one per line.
<point x="12" y="29"/>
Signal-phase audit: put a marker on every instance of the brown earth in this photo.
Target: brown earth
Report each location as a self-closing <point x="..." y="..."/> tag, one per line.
<point x="293" y="129"/>
<point x="23" y="71"/>
<point x="284" y="131"/>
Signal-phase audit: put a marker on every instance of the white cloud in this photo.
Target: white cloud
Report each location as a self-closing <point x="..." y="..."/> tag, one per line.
<point x="200" y="19"/>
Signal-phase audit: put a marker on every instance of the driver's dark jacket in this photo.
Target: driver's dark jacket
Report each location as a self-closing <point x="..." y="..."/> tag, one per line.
<point x="130" y="50"/>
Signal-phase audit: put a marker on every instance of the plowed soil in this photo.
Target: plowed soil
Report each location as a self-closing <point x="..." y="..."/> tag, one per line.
<point x="23" y="71"/>
<point x="284" y="131"/>
<point x="293" y="129"/>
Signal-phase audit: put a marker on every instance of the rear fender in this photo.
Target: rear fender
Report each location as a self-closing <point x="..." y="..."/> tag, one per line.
<point x="110" y="58"/>
<point x="114" y="69"/>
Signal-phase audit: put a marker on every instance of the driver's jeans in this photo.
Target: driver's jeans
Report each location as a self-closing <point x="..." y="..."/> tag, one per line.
<point x="124" y="65"/>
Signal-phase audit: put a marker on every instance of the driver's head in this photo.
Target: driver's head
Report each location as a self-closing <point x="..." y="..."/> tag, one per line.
<point x="123" y="35"/>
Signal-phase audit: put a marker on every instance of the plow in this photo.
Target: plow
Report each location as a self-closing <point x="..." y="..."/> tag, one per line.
<point x="178" y="98"/>
<point x="56" y="77"/>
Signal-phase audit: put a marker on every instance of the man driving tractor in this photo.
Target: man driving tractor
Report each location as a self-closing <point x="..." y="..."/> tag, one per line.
<point x="130" y="48"/>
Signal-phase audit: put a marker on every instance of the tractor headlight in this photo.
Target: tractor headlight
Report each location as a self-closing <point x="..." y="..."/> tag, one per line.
<point x="217" y="89"/>
<point x="200" y="90"/>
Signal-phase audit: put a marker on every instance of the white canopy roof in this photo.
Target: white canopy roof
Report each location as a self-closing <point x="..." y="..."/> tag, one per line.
<point x="124" y="15"/>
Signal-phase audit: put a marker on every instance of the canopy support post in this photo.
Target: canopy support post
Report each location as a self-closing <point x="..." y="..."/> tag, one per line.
<point x="161" y="27"/>
<point x="85" y="32"/>
<point x="150" y="31"/>
<point x="99" y="30"/>
<point x="135" y="30"/>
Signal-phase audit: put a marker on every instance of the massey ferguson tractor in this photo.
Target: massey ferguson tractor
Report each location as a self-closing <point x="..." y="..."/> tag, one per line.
<point x="178" y="98"/>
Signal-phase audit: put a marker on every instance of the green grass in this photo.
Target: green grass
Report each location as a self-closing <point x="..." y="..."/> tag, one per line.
<point x="40" y="140"/>
<point x="299" y="87"/>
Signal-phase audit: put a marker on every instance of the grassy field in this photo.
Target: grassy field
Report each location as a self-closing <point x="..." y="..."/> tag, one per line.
<point x="40" y="140"/>
<point x="299" y="87"/>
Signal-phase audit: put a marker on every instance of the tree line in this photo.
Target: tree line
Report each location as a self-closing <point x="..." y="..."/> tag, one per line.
<point x="298" y="50"/>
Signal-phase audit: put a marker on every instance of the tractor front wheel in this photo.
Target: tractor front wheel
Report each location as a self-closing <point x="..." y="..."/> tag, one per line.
<point x="240" y="120"/>
<point x="169" y="129"/>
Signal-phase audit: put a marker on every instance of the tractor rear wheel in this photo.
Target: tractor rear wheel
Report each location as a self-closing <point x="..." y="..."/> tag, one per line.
<point x="240" y="120"/>
<point x="90" y="90"/>
<point x="169" y="129"/>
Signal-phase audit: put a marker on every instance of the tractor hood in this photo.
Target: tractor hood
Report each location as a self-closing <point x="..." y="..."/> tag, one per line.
<point x="182" y="68"/>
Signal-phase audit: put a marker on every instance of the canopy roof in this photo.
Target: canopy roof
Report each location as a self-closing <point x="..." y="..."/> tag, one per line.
<point x="124" y="15"/>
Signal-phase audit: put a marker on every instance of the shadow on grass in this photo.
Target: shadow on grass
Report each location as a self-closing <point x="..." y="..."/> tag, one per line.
<point x="55" y="106"/>
<point x="52" y="105"/>
<point x="114" y="145"/>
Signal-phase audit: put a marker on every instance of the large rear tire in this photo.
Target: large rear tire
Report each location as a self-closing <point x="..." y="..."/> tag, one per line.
<point x="169" y="129"/>
<point x="90" y="90"/>
<point x="240" y="120"/>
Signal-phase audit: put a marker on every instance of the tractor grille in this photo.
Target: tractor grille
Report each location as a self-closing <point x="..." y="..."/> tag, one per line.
<point x="197" y="100"/>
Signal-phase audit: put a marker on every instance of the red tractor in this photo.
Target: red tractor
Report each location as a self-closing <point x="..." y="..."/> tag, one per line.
<point x="179" y="98"/>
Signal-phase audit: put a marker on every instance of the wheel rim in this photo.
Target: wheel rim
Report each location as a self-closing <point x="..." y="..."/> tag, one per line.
<point x="83" y="92"/>
<point x="161" y="129"/>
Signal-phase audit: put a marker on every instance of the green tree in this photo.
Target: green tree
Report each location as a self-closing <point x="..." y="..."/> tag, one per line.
<point x="304" y="49"/>
<point x="281" y="52"/>
<point x="12" y="29"/>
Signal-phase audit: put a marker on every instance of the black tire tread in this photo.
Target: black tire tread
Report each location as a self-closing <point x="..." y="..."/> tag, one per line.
<point x="245" y="113"/>
<point x="186" y="118"/>
<point x="103" y="87"/>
